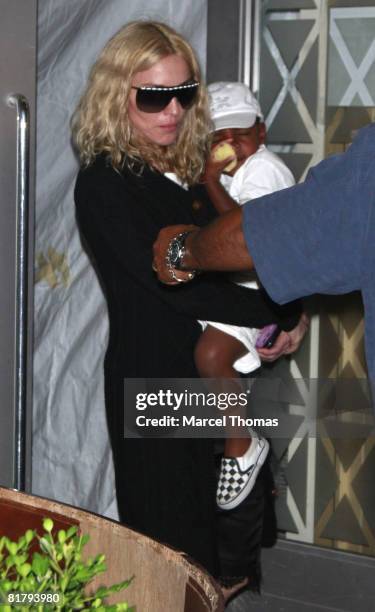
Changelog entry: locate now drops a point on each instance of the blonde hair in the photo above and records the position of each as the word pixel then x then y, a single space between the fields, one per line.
pixel 101 123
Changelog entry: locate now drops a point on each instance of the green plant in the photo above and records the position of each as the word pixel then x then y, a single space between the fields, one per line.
pixel 54 578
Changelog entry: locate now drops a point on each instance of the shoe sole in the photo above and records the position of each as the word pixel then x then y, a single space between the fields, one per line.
pixel 233 503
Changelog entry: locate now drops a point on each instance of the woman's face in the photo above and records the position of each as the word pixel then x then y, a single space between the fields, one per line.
pixel 159 128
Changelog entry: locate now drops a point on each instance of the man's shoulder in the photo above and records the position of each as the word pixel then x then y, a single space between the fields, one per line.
pixel 363 147
pixel 352 168
pixel 366 136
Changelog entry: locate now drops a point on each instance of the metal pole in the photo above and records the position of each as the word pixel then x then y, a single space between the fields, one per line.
pixel 22 194
pixel 244 47
pixel 249 43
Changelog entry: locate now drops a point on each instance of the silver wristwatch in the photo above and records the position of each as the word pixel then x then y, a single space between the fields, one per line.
pixel 175 255
pixel 176 250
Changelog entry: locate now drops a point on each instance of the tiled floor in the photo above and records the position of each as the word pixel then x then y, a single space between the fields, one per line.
pixel 300 578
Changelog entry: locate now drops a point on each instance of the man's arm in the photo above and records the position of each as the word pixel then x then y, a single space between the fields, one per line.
pixel 310 238
pixel 219 246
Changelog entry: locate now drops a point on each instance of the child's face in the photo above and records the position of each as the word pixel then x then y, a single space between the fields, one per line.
pixel 245 141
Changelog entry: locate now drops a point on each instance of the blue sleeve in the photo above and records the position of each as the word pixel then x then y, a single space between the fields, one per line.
pixel 308 239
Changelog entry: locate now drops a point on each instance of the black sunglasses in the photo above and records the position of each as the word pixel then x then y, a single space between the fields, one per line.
pixel 151 99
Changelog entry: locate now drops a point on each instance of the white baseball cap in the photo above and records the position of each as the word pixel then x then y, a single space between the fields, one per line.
pixel 233 105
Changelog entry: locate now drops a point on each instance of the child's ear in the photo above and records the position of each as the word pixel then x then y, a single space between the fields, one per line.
pixel 262 132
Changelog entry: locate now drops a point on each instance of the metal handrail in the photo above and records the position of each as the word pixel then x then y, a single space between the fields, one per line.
pixel 21 104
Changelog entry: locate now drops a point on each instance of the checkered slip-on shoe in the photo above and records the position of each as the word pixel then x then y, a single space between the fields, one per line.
pixel 238 474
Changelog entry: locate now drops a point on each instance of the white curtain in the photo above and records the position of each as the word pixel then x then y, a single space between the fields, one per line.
pixel 71 454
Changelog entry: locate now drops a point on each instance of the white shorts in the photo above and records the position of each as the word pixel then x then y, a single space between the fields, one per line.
pixel 247 336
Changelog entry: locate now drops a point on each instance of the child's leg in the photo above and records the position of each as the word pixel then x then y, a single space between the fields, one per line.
pixel 215 354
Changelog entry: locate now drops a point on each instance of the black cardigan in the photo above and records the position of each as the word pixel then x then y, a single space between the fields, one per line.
pixel 165 487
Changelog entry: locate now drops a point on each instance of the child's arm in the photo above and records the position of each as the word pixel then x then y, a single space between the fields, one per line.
pixel 217 193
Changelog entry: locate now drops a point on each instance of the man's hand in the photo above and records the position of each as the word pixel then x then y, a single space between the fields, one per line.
pixel 159 264
pixel 287 342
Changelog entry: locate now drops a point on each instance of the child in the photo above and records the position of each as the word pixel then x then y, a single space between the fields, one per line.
pixel 224 350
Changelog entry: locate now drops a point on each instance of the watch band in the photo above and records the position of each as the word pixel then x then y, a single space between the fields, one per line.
pixel 175 254
pixel 176 249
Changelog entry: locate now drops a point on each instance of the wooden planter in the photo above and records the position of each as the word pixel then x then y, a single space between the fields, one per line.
pixel 165 580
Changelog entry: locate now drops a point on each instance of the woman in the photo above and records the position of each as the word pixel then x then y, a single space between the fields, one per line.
pixel 143 116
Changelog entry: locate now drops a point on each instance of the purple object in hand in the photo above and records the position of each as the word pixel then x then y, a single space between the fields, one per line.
pixel 267 336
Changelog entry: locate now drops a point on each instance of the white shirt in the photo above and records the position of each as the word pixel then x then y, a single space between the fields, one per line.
pixel 262 173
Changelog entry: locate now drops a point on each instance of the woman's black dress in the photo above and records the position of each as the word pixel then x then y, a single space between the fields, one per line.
pixel 165 487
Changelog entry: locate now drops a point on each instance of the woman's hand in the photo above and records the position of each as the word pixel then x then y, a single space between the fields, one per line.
pixel 287 342
pixel 160 248
pixel 281 347
pixel 297 334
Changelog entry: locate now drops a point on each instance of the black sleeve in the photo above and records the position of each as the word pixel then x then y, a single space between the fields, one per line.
pixel 127 229
pixel 286 315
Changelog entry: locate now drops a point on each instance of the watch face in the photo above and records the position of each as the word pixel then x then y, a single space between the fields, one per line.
pixel 174 252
